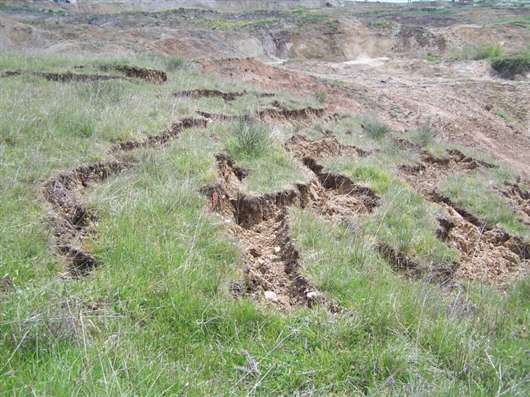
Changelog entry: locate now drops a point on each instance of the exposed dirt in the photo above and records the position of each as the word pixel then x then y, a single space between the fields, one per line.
pixel 149 75
pixel 519 199
pixel 62 77
pixel 70 218
pixel 206 93
pixel 488 255
pixel 302 147
pixel 441 275
pixel 278 114
pixel 272 271
pixel 272 264
pixel 426 175
pixel 158 140
pixel 130 72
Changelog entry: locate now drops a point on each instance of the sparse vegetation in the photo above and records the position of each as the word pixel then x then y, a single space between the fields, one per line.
pixel 479 52
pixel 374 127
pixel 509 66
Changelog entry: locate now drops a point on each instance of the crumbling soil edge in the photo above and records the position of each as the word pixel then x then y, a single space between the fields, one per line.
pixel 130 73
pixel 71 221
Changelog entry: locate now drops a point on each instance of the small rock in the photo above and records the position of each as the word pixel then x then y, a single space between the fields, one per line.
pixel 6 284
pixel 271 296
pixel 313 295
pixel 276 250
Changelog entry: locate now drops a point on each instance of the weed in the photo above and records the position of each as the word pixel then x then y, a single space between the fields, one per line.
pixel 478 52
pixel 374 127
pixel 173 63
pixel 433 58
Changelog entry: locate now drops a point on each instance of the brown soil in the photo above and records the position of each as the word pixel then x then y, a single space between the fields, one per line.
pixel 519 199
pixel 206 93
pixel 280 115
pixel 149 75
pixel 441 275
pixel 62 77
pixel 71 220
pixel 162 139
pixel 488 255
pixel 425 175
pixel 302 147
pixel 272 271
pixel 272 261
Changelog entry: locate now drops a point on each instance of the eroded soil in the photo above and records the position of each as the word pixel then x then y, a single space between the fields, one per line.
pixel 487 254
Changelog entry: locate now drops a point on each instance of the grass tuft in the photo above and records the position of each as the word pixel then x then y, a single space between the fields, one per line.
pixel 249 138
pixel 374 127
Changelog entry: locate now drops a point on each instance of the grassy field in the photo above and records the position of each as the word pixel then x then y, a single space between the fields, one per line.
pixel 158 318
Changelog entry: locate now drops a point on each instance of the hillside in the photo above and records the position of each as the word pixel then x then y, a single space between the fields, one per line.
pixel 222 198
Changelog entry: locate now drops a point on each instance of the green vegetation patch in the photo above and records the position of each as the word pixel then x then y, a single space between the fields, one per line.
pixel 510 66
pixel 472 193
pixel 407 223
pixel 270 167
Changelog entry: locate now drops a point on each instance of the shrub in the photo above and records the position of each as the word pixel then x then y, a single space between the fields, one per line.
pixel 513 65
pixel 374 127
pixel 479 52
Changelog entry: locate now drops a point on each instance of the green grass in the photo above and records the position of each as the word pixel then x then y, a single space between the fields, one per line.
pixel 511 65
pixel 473 193
pixel 157 318
pixel 406 222
pixel 374 128
pixel 478 52
pixel 270 167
